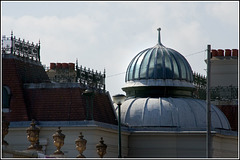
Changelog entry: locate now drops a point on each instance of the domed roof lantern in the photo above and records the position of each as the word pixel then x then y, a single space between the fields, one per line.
pixel 156 67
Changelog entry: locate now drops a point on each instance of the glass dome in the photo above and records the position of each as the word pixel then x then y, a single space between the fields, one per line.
pixel 159 71
pixel 159 62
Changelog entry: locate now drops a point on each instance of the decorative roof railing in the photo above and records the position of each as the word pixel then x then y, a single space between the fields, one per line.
pixel 90 79
pixel 12 45
pixel 199 80
pixel 223 93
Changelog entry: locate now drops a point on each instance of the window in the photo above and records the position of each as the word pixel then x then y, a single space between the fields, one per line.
pixel 6 98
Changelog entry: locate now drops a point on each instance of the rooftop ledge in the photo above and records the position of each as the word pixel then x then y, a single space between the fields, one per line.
pixel 158 82
pixel 84 123
pixel 51 85
pixel 139 130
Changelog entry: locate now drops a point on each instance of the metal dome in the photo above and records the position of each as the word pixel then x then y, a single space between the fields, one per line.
pixel 159 87
pixel 170 113
pixel 159 62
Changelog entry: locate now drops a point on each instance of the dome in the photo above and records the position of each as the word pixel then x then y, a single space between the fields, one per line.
pixel 159 72
pixel 159 88
pixel 170 113
pixel 161 63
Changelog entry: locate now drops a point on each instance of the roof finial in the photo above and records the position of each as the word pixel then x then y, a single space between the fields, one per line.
pixel 76 62
pixel 159 37
pixel 11 32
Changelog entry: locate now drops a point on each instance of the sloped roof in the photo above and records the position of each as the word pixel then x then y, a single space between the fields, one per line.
pixel 65 102
pixel 27 70
pixel 33 96
pixel 15 72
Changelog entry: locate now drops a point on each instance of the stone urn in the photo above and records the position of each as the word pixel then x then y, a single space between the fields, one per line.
pixel 33 136
pixel 81 145
pixel 58 138
pixel 101 148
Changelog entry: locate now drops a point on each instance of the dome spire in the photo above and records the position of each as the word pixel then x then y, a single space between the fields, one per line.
pixel 159 36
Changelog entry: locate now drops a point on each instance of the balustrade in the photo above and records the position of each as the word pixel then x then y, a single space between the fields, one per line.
pixel 58 141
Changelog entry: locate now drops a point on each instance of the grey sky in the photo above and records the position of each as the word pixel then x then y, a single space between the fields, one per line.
pixel 109 34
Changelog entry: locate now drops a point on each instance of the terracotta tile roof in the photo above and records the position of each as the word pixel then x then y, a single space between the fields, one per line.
pixel 67 104
pixel 27 71
pixel 11 78
pixel 33 96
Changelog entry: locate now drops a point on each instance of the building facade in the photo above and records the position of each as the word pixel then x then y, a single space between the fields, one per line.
pixel 163 114
pixel 159 119
pixel 224 83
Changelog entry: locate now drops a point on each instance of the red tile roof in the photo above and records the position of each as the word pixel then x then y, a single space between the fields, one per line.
pixel 67 104
pixel 13 80
pixel 26 70
pixel 48 101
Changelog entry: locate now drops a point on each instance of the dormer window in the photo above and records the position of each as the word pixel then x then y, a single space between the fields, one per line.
pixel 6 98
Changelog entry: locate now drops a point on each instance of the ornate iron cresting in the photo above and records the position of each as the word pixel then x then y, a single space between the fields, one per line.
pixel 222 93
pixel 199 82
pixel 12 45
pixel 90 79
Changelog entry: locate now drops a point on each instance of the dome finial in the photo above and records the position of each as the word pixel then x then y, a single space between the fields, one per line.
pixel 159 37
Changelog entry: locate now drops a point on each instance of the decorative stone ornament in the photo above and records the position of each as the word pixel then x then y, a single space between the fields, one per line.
pixel 5 127
pixel 101 148
pixel 81 145
pixel 58 138
pixel 33 136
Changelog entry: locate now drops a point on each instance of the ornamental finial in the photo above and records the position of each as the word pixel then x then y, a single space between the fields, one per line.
pixel 159 36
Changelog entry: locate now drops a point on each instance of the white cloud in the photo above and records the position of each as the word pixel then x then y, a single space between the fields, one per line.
pixel 109 35
pixel 227 12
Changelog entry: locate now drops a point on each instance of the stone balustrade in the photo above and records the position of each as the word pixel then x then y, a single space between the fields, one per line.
pixel 35 149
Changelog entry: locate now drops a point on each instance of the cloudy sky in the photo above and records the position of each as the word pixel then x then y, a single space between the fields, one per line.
pixel 109 34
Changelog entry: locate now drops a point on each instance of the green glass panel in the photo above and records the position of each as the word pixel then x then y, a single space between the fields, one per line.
pixel 152 64
pixel 176 70
pixel 182 66
pixel 138 64
pixel 144 65
pixel 131 69
pixel 168 66
pixel 159 64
